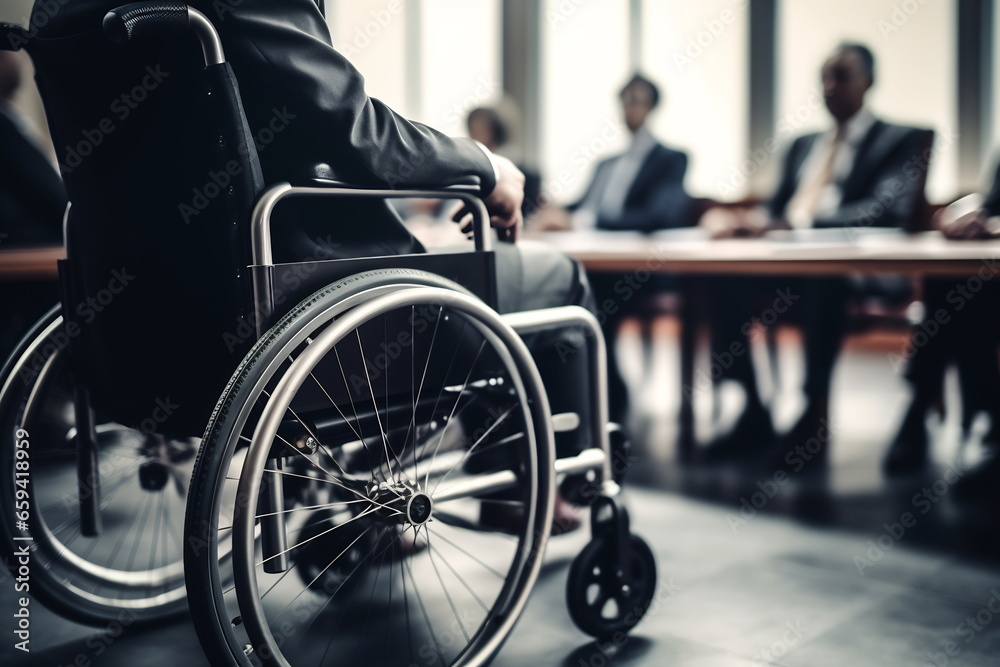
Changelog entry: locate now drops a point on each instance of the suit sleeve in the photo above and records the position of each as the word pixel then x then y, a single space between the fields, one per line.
pixel 896 193
pixel 285 48
pixel 786 187
pixel 666 207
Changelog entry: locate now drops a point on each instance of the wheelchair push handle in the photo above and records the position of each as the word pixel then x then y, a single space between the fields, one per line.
pixel 140 20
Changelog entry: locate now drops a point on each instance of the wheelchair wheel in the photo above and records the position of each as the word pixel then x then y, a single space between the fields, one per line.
pixel 133 570
pixel 347 468
pixel 599 603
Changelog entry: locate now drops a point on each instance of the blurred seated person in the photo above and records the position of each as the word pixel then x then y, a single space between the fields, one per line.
pixel 862 172
pixel 640 190
pixel 967 334
pixel 32 201
pixel 429 219
pixel 486 126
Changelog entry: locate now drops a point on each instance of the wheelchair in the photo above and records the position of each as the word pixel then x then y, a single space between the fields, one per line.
pixel 376 481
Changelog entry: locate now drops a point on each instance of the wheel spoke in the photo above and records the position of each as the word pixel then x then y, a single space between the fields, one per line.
pixel 451 415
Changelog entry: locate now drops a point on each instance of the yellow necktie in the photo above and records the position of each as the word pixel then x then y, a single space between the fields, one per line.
pixel 802 207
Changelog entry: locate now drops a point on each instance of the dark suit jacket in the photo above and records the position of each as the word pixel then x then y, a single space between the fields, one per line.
pixel 290 75
pixel 656 199
pixel 992 201
pixel 885 187
pixel 32 196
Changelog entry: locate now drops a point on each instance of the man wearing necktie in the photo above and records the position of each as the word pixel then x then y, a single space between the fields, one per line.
pixel 862 172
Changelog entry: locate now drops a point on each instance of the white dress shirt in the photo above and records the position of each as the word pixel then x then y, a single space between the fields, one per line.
pixel 606 198
pixel 854 130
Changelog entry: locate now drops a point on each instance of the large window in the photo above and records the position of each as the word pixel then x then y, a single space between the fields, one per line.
pixel 697 52
pixel 372 34
pixel 584 64
pixel 460 60
pixel 914 47
pixel 432 61
pixel 993 147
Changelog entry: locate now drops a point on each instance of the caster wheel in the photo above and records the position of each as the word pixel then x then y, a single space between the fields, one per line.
pixel 600 603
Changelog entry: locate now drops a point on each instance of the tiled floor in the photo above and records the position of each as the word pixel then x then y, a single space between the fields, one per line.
pixel 797 584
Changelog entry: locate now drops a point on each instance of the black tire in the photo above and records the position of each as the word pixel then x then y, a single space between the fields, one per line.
pixel 592 587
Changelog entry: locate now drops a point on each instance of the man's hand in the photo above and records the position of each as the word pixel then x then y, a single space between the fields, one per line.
pixel 503 204
pixel 727 223
pixel 968 226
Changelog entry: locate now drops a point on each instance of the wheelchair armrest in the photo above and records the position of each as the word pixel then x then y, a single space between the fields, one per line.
pixel 261 217
pixel 140 20
pixel 12 37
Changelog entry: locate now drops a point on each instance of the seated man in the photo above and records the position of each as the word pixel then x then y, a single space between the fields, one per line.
pixel 487 126
pixel 283 57
pixel 968 337
pixel 862 172
pixel 641 190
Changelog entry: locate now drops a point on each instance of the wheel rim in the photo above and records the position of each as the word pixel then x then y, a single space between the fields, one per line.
pixel 136 563
pixel 438 539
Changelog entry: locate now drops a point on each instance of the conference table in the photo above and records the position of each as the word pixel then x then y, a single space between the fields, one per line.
pixel 690 253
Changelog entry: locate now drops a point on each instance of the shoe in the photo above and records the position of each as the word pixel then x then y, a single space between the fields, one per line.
pixel 979 484
pixel 908 452
pixel 752 435
pixel 804 449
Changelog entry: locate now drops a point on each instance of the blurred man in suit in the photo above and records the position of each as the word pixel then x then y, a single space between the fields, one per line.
pixel 641 190
pixel 486 126
pixel 862 172
pixel 967 333
pixel 32 201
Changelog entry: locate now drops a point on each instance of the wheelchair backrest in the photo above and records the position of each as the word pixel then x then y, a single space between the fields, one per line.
pixel 162 173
